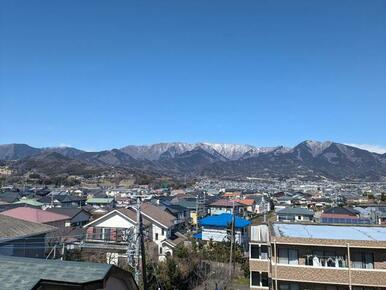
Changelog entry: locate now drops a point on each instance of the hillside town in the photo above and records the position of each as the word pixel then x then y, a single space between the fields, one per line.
pixel 242 234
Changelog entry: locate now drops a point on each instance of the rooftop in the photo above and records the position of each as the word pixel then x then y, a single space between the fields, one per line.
pixel 247 201
pixel 24 273
pixel 100 200
pixel 13 228
pixel 342 210
pixel 34 215
pixel 225 203
pixel 67 211
pixel 295 211
pixel 29 201
pixel 157 215
pixel 358 233
pixel 223 220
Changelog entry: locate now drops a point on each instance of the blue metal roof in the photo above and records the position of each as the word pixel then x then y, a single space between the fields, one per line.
pixel 198 236
pixel 223 220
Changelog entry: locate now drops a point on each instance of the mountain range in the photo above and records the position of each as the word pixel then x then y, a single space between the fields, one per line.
pixel 309 159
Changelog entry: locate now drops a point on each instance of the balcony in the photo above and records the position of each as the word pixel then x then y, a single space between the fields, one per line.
pixel 335 275
pixel 259 265
pixel 313 274
pixel 107 235
pixel 368 277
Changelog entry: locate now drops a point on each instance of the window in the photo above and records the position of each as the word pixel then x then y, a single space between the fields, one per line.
pixel 283 256
pixel 288 256
pixel 163 232
pixel 255 251
pixel 293 257
pixel 292 286
pixel 97 233
pixel 326 258
pixel 259 279
pixel 106 234
pixel 264 252
pixel 264 279
pixel 255 278
pixel 160 250
pixel 363 260
pixel 156 236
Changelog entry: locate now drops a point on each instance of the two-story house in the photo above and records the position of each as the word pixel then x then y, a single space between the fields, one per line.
pixel 163 229
pixel 109 233
pixel 221 206
pixel 218 228
pixel 108 236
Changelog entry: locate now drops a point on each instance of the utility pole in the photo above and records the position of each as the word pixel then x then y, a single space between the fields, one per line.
pixel 143 254
pixel 138 241
pixel 232 240
pixel 136 246
pixel 197 210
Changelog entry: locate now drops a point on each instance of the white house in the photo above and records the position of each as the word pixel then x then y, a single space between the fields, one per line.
pixel 163 226
pixel 217 228
pixel 109 234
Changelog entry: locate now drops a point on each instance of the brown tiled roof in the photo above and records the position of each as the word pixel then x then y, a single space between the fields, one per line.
pixel 225 203
pixel 156 214
pixel 131 214
pixel 246 201
pixel 178 239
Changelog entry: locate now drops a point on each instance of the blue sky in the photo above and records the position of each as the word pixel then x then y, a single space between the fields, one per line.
pixel 103 74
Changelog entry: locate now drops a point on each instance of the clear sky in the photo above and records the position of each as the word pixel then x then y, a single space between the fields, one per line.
pixel 103 74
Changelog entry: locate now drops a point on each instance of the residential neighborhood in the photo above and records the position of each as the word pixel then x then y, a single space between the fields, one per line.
pixel 192 145
pixel 101 230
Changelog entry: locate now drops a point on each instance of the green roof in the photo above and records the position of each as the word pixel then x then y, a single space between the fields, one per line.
pixel 99 200
pixel 32 202
pixel 24 273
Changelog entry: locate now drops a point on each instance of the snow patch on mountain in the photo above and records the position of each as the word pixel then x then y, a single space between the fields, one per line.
pixel 316 148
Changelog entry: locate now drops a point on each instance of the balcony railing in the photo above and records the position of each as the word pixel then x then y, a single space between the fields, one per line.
pixel 112 235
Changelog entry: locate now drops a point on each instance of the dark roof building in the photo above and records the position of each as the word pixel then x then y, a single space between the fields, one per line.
pixel 343 215
pixel 78 216
pixel 295 214
pixel 30 274
pixel 10 196
pixel 22 238
pixel 342 210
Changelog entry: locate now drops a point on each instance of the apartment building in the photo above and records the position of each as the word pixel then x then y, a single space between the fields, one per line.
pixel 317 257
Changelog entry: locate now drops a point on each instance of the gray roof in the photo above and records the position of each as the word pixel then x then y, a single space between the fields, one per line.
pixel 187 203
pixel 68 211
pixel 358 233
pixel 295 211
pixel 342 210
pixel 13 228
pixel 24 273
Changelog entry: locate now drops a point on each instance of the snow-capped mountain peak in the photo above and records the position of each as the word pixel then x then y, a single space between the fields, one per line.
pixel 317 147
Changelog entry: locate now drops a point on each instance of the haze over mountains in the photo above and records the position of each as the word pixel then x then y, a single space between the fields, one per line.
pixel 309 159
